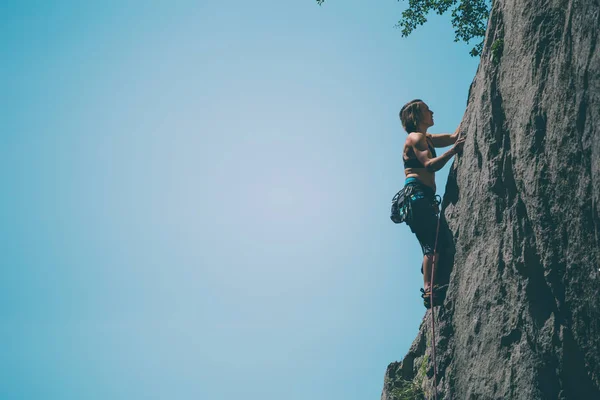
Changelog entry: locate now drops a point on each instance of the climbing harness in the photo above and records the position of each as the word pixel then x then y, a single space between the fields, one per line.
pixel 401 210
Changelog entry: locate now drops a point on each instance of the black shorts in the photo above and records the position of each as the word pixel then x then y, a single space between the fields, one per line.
pixel 423 215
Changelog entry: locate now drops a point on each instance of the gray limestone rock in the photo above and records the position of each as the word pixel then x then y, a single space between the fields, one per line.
pixel 521 319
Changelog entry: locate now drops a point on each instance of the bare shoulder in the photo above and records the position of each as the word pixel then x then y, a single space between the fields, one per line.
pixel 417 140
pixel 415 137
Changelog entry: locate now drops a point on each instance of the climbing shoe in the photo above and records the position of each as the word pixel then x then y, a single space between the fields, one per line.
pixel 439 294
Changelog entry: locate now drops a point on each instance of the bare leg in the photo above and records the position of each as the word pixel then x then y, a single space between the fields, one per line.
pixel 427 261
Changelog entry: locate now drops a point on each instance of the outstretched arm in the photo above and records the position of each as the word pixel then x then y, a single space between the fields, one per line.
pixel 419 145
pixel 445 139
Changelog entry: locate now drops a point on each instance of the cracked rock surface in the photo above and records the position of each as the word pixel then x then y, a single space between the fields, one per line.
pixel 521 319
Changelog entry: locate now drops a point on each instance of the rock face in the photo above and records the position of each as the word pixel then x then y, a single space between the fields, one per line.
pixel 521 319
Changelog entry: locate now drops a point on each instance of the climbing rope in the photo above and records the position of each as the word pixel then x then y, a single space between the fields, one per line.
pixel 437 232
pixel 432 306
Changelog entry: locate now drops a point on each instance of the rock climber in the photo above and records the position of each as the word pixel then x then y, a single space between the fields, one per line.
pixel 420 164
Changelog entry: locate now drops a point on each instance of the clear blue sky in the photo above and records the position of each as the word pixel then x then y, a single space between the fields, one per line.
pixel 195 196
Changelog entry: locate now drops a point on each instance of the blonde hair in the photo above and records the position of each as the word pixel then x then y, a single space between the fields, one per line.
pixel 410 115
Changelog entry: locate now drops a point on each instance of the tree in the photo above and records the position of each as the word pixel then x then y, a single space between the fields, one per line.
pixel 469 18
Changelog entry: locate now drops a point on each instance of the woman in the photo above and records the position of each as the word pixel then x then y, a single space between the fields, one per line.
pixel 420 164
